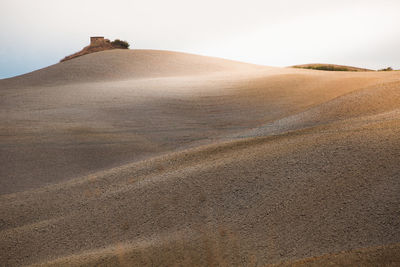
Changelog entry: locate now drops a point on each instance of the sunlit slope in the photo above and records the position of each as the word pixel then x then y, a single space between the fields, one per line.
pixel 55 132
pixel 126 64
pixel 374 103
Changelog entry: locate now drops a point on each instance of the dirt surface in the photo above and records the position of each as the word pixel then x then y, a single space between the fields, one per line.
pixel 158 158
pixel 375 256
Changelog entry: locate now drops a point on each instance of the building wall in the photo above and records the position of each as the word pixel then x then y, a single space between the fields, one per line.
pixel 97 40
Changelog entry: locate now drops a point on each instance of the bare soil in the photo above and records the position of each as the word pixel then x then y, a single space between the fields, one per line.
pixel 143 157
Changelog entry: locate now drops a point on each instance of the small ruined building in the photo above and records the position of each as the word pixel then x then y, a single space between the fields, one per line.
pixel 99 41
pixel 97 44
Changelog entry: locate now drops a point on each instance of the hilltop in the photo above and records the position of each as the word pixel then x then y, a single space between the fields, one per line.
pixel 98 44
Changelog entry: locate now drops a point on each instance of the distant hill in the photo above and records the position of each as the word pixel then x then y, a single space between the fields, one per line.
pixel 329 67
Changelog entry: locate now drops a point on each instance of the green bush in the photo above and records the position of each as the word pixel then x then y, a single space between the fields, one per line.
pixel 326 68
pixel 387 69
pixel 331 68
pixel 120 44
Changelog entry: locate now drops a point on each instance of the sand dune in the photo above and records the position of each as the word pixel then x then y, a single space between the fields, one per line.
pixel 143 157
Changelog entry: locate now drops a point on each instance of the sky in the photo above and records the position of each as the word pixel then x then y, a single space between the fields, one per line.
pixel 362 33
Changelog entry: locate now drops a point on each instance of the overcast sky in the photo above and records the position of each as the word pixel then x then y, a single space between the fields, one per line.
pixel 364 33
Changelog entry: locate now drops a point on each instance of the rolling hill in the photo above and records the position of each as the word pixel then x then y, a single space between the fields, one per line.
pixel 144 157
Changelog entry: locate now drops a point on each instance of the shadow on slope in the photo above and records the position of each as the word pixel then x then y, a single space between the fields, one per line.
pixel 285 197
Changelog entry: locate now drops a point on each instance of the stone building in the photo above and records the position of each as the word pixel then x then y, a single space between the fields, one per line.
pixel 98 41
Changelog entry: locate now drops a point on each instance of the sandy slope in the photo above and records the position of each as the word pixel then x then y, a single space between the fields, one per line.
pixel 151 157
